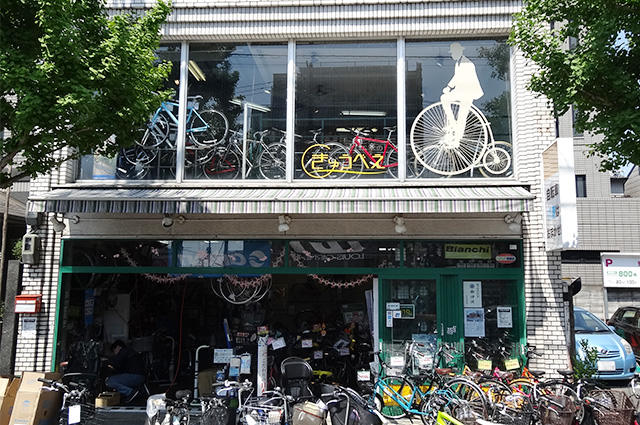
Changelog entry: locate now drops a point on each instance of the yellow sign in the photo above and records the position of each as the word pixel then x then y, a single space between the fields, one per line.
pixel 460 251
pixel 320 161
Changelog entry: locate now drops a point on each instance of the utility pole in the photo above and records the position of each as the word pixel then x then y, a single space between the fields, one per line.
pixel 3 249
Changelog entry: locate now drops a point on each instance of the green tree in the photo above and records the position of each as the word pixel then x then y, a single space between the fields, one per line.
pixel 587 56
pixel 72 76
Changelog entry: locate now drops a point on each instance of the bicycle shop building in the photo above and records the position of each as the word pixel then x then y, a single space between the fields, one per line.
pixel 339 205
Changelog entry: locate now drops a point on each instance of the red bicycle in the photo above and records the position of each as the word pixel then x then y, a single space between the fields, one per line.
pixel 365 156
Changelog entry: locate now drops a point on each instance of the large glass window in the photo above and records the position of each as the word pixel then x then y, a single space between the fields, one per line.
pixel 238 130
pixel 344 90
pixel 153 155
pixel 457 104
pixel 458 109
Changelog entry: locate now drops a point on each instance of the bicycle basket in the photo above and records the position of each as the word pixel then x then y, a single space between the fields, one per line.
pixel 557 410
pixel 613 407
pixel 516 410
pixel 219 415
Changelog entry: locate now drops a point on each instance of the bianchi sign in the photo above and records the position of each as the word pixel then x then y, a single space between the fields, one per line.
pixel 456 251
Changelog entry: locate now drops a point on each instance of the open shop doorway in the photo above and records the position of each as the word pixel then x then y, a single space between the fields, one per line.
pixel 186 327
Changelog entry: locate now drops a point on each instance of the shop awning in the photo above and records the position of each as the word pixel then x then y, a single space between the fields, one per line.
pixel 285 200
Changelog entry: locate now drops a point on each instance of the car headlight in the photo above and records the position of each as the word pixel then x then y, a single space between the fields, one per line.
pixel 627 346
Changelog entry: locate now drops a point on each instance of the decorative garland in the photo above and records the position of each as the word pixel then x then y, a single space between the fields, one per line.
pixel 244 282
pixel 332 283
pixel 152 277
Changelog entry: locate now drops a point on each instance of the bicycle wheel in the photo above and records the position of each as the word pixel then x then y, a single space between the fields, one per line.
pixel 437 148
pixel 208 127
pixel 156 133
pixel 222 165
pixel 496 161
pixel 330 160
pixel 471 394
pixel 390 389
pixel 391 162
pixel 272 161
pixel 133 163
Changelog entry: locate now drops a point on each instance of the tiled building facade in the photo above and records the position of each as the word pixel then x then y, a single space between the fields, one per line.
pixel 297 23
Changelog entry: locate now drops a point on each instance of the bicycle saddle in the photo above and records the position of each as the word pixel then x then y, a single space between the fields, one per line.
pixel 184 394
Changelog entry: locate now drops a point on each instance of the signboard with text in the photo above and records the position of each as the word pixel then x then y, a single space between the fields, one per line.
pixel 620 270
pixel 561 217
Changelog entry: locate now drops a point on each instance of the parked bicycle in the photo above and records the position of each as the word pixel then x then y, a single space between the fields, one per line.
pixel 366 155
pixel 231 160
pixel 77 407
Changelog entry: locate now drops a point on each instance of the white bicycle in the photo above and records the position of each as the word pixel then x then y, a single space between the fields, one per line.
pixel 440 150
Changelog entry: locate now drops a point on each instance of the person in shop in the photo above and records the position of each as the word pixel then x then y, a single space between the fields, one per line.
pixel 128 372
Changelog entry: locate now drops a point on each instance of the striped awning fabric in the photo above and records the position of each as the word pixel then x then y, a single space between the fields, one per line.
pixel 285 200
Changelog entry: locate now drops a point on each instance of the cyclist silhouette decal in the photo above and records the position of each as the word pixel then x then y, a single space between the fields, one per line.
pixel 463 88
pixel 453 136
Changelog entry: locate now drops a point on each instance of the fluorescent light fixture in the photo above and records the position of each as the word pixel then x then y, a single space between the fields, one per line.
pixel 196 71
pixel 364 113
pixel 250 105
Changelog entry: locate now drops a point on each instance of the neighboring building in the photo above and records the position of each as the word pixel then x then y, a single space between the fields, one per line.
pixel 608 221
pixel 445 237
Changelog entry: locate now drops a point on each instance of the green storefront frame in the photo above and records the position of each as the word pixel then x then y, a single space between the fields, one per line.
pixel 449 283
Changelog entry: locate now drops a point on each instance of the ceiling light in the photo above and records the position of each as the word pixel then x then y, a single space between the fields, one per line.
pixel 283 223
pixel 196 71
pixel 364 113
pixel 400 226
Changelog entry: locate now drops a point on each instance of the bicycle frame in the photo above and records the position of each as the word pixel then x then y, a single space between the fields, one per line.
pixel 376 159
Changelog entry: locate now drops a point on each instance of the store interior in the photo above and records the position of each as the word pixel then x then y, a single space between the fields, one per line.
pixel 186 327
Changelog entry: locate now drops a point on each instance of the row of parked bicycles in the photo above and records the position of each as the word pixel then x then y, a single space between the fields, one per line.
pixel 436 395
pixel 214 151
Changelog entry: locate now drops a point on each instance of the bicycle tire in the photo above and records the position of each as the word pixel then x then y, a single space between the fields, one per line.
pixel 272 161
pixel 222 165
pixel 496 161
pixel 391 162
pixel 156 133
pixel 209 127
pixel 332 154
pixel 471 393
pixel 436 148
pixel 127 168
pixel 393 386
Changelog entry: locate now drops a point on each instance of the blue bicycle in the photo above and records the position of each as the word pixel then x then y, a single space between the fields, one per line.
pixel 205 128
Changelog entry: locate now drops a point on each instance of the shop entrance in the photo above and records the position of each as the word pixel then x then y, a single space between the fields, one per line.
pixel 182 324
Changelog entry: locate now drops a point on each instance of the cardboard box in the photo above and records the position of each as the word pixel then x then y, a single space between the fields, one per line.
pixel 108 399
pixel 32 404
pixel 8 390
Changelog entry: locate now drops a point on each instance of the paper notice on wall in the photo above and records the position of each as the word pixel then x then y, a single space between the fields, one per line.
pixel 505 317
pixel 29 325
pixel 261 377
pixel 474 322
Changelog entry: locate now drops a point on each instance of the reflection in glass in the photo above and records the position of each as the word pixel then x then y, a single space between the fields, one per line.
pixel 245 83
pixel 458 109
pixel 346 111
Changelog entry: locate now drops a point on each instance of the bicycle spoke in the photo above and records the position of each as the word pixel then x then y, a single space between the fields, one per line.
pixel 272 161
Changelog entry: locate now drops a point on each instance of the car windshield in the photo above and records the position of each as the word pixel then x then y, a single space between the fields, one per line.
pixel 586 322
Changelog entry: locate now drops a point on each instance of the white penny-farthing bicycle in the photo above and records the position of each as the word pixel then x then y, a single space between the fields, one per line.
pixel 440 150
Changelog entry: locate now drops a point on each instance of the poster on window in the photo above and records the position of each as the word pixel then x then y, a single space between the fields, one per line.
pixel 474 322
pixel 472 293
pixel 505 317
